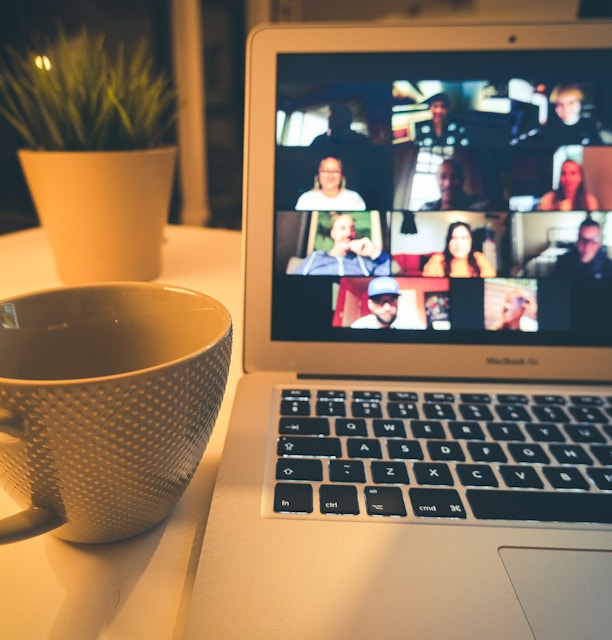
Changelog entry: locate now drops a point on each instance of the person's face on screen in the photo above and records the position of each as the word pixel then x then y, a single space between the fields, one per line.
pixel 330 175
pixel 460 242
pixel 588 243
pixel 567 107
pixel 450 183
pixel 512 311
pixel 438 111
pixel 342 232
pixel 570 178
pixel 384 307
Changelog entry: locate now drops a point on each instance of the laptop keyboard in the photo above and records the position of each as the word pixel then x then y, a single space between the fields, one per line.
pixel 427 456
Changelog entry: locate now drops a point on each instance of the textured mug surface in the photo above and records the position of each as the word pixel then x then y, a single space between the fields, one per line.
pixel 108 396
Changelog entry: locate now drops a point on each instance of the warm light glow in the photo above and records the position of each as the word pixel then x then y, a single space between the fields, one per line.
pixel 42 62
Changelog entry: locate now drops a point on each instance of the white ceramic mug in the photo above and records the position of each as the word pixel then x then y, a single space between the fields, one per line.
pixel 108 396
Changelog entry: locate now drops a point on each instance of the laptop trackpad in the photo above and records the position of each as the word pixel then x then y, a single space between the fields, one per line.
pixel 564 593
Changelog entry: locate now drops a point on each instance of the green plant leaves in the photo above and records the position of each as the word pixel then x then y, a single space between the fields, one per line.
pixel 85 100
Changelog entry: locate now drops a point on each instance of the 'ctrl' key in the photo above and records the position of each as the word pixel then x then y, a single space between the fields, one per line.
pixel 436 503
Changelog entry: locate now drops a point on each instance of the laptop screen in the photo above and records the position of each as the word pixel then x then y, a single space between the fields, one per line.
pixel 428 197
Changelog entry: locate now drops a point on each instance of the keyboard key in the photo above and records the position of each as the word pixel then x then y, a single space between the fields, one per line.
pixel 513 413
pixel 295 407
pixel 531 453
pixel 486 452
pixel 301 426
pixel 385 501
pixel 565 478
pixel 475 412
pixel 364 448
pixel 521 477
pixel 402 410
pixel 505 431
pixel 351 427
pixel 475 398
pixel 390 473
pixel 403 396
pixel 544 432
pixel 476 475
pixel 366 409
pixel 438 411
pixel 432 473
pixel 587 433
pixel 512 398
pixel 368 396
pixel 439 397
pixel 346 471
pixel 588 414
pixel 603 454
pixel 559 506
pixel 330 408
pixel 309 446
pixel 466 430
pixel 338 499
pixel 405 450
pixel 592 401
pixel 427 429
pixel 570 454
pixel 445 451
pixel 296 393
pixel 299 469
pixel 436 503
pixel 389 428
pixel 293 498
pixel 329 394
pixel 602 478
pixel 549 400
pixel 550 414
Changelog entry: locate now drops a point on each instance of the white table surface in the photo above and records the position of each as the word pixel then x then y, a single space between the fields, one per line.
pixel 138 588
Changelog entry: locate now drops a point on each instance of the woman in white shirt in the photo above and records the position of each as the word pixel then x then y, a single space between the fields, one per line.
pixel 329 193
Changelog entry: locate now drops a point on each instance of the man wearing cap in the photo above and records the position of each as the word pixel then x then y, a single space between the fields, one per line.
pixel 383 296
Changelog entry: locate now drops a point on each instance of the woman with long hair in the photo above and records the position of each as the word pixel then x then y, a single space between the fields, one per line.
pixel 459 260
pixel 571 194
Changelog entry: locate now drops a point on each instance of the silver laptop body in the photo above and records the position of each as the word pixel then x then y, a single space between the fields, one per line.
pixel 271 572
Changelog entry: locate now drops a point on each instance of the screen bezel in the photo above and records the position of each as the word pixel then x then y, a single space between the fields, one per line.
pixel 569 363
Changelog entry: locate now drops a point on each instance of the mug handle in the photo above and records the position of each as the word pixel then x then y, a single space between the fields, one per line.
pixel 29 522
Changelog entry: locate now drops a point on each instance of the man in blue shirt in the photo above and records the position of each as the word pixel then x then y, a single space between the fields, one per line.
pixel 350 256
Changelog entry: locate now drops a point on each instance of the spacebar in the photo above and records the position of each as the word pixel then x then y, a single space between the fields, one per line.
pixel 541 506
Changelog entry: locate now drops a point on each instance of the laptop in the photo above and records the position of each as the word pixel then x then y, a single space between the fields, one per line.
pixel 421 443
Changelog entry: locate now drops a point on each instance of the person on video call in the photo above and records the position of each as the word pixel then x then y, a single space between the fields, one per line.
pixel 567 125
pixel 349 256
pixel 452 196
pixel 459 260
pixel 571 195
pixel 330 192
pixel 517 313
pixel 588 258
pixel 441 130
pixel 339 132
pixel 383 297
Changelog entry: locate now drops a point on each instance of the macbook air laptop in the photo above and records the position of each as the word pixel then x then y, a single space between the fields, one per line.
pixel 421 443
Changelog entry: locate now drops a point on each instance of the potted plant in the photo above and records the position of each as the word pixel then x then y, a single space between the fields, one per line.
pixel 94 159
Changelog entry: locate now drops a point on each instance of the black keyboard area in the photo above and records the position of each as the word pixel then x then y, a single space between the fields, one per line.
pixel 429 456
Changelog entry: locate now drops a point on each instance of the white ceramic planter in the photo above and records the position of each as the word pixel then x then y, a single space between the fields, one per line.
pixel 103 211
